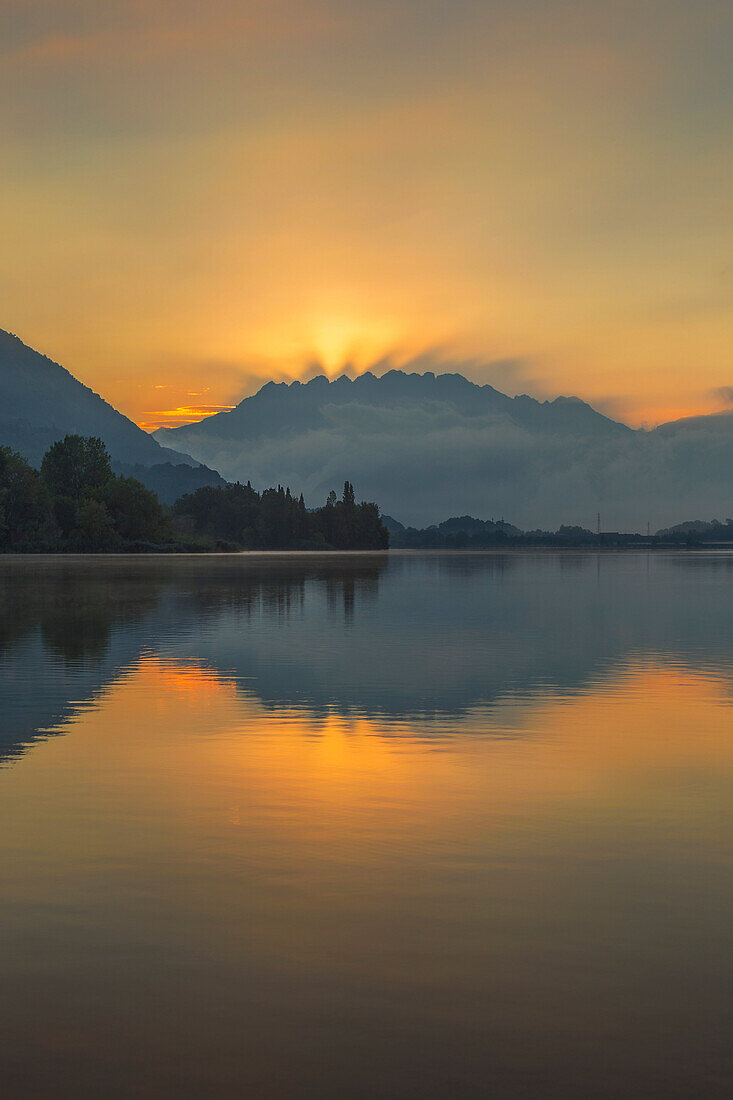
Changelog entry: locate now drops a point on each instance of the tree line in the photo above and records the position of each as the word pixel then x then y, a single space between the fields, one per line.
pixel 75 503
pixel 277 520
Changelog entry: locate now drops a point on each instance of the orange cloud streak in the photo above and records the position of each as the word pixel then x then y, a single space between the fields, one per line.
pixel 184 414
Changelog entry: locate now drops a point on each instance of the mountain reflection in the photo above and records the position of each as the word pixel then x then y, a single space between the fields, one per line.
pixel 397 637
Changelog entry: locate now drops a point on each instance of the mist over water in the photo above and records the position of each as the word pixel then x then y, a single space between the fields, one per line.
pixel 367 825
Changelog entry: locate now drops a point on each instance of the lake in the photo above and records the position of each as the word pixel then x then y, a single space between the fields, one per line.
pixel 369 825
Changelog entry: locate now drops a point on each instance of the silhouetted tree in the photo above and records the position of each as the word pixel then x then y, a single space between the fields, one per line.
pixel 95 529
pixel 76 466
pixel 275 519
pixel 135 511
pixel 94 509
pixel 25 505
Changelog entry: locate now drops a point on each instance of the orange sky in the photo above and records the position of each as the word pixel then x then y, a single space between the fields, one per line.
pixel 196 198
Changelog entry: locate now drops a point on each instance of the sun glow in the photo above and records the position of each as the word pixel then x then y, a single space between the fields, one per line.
pixel 341 342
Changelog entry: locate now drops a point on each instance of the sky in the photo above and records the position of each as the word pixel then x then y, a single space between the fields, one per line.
pixel 196 197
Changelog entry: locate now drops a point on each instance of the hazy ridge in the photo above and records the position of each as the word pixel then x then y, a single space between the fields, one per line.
pixel 425 446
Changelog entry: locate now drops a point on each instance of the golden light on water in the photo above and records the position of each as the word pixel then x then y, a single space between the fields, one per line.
pixel 221 752
pixel 215 888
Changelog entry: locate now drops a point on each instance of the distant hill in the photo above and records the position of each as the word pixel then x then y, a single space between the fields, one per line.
pixel 171 481
pixel 469 533
pixel 40 402
pixel 469 525
pixel 393 525
pixel 699 530
pixel 427 446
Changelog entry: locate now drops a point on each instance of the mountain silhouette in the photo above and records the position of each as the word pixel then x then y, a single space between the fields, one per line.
pixel 280 407
pixel 426 446
pixel 40 402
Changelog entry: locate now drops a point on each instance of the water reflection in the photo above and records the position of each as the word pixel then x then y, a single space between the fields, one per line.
pixel 229 897
pixel 423 636
pixel 366 826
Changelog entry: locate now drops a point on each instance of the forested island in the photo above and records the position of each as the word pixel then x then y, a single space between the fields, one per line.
pixel 75 503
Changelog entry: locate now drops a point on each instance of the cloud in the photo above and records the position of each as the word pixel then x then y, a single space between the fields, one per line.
pixel 724 395
pixel 154 31
pixel 184 414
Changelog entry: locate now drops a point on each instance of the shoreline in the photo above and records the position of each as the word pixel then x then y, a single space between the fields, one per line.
pixel 668 548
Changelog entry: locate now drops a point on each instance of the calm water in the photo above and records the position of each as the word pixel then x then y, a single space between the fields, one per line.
pixel 366 826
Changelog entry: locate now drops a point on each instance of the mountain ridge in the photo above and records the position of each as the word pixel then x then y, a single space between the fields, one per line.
pixel 305 398
pixel 424 444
